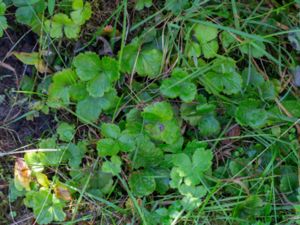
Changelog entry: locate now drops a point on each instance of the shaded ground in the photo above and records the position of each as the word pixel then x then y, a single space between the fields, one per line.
pixel 15 130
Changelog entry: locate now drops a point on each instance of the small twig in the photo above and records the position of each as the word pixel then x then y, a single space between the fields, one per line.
pixel 9 67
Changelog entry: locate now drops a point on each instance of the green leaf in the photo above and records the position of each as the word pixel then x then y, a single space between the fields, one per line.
pixel 149 63
pixel 250 113
pixel 108 147
pixel 167 131
pixel 176 6
pixel 76 154
pixel 2 8
pixel 3 25
pixel 27 83
pixel 205 33
pixel 110 130
pixel 179 86
pixel 146 153
pixel 89 109
pixel 160 124
pixel 113 166
pixel 46 207
pixel 3 21
pixel 51 6
pixel 77 4
pixel 193 49
pixel 252 77
pixel 72 31
pixel 210 49
pixel 227 39
pixel 228 83
pixel 255 49
pixel 202 160
pixel 146 62
pixel 159 111
pixel 30 12
pixel 59 23
pixel 104 80
pixel 162 179
pixel 142 183
pixel 59 90
pixel 183 164
pixel 81 14
pixel 87 65
pixel 127 142
pixel 129 57
pixel 14 193
pixel 209 125
pixel 141 4
pixel 52 158
pixel 268 91
pixel 134 121
pixel 78 91
pixel 191 169
pixel 66 131
pixel 33 160
pixel 249 209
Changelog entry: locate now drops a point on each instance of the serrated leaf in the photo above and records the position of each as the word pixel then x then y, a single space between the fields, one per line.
pixel 210 49
pixel 59 90
pixel 209 125
pixel 176 6
pixel 66 131
pixel 89 109
pixel 30 12
pixel 250 113
pixel 146 153
pixel 127 142
pixel 141 183
pixel 78 91
pixel 167 131
pixel 3 25
pixel 81 14
pixel 46 207
pixel 141 4
pixel 110 130
pixel 149 63
pixel 103 82
pixel 113 166
pixel 205 33
pixel 108 147
pixel 193 49
pixel 255 49
pixel 76 153
pixel 191 169
pixel 42 179
pixel 179 86
pixel 159 111
pixel 146 62
pixel 87 65
pixel 228 83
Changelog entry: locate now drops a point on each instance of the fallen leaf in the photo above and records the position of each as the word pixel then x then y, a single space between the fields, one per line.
pixel 62 192
pixel 22 175
pixel 233 131
pixel 33 59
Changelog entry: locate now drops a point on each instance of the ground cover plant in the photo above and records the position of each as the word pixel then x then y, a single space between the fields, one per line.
pixel 149 112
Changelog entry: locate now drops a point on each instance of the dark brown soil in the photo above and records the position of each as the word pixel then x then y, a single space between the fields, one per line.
pixel 15 130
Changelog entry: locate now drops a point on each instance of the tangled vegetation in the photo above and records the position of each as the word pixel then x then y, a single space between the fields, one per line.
pixel 166 112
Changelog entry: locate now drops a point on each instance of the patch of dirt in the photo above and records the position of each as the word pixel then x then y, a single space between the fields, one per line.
pixel 15 130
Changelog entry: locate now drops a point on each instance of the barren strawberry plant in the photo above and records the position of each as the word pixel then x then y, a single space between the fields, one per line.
pixel 150 112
